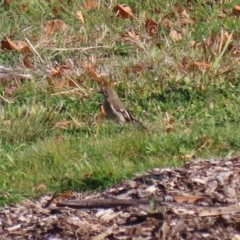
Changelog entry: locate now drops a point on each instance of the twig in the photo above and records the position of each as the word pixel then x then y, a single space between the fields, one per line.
pixel 55 195
pixel 66 92
pixel 6 99
pixel 34 50
pixel 106 203
pixel 78 49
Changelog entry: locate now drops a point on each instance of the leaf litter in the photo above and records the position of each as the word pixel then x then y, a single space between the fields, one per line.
pixel 197 201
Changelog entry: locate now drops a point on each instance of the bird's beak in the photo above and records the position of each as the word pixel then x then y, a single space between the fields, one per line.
pixel 100 91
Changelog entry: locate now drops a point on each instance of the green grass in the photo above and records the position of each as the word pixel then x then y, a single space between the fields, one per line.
pixel 191 113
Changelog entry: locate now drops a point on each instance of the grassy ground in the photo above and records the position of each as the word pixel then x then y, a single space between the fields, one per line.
pixel 49 139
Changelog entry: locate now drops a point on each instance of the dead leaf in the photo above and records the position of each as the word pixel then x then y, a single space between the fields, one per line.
pixel 23 8
pixel 169 128
pixel 184 17
pixel 175 35
pixel 59 138
pixel 201 64
pixel 168 119
pixel 166 22
pixel 90 63
pixel 100 79
pixel 216 42
pixel 236 10
pixel 151 27
pixel 58 71
pixel 189 156
pixel 72 83
pixel 156 10
pixel 235 53
pixel 101 116
pixel 66 195
pixel 130 37
pixel 9 45
pixel 90 4
pixel 185 63
pixel 193 43
pixel 40 187
pixel 10 90
pixel 27 63
pixel 102 110
pixel 24 48
pixel 222 13
pixel 123 11
pixel 138 68
pixel 57 84
pixel 60 84
pixel 190 122
pixel 187 199
pixel 87 175
pixel 55 72
pixel 50 81
pixel 208 142
pixel 183 12
pixel 54 26
pixel 168 122
pixel 133 34
pixel 185 21
pixel 217 211
pixel 80 16
pixel 7 2
pixel 57 11
pixel 6 195
pixel 63 124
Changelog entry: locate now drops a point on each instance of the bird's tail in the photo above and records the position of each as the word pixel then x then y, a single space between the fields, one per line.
pixel 136 121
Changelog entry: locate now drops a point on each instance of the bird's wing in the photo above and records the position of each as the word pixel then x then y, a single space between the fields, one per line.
pixel 126 114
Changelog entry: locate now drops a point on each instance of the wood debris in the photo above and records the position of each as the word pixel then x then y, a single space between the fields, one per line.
pixel 8 72
pixel 197 201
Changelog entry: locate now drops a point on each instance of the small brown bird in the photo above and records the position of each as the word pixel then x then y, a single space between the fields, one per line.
pixel 114 108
